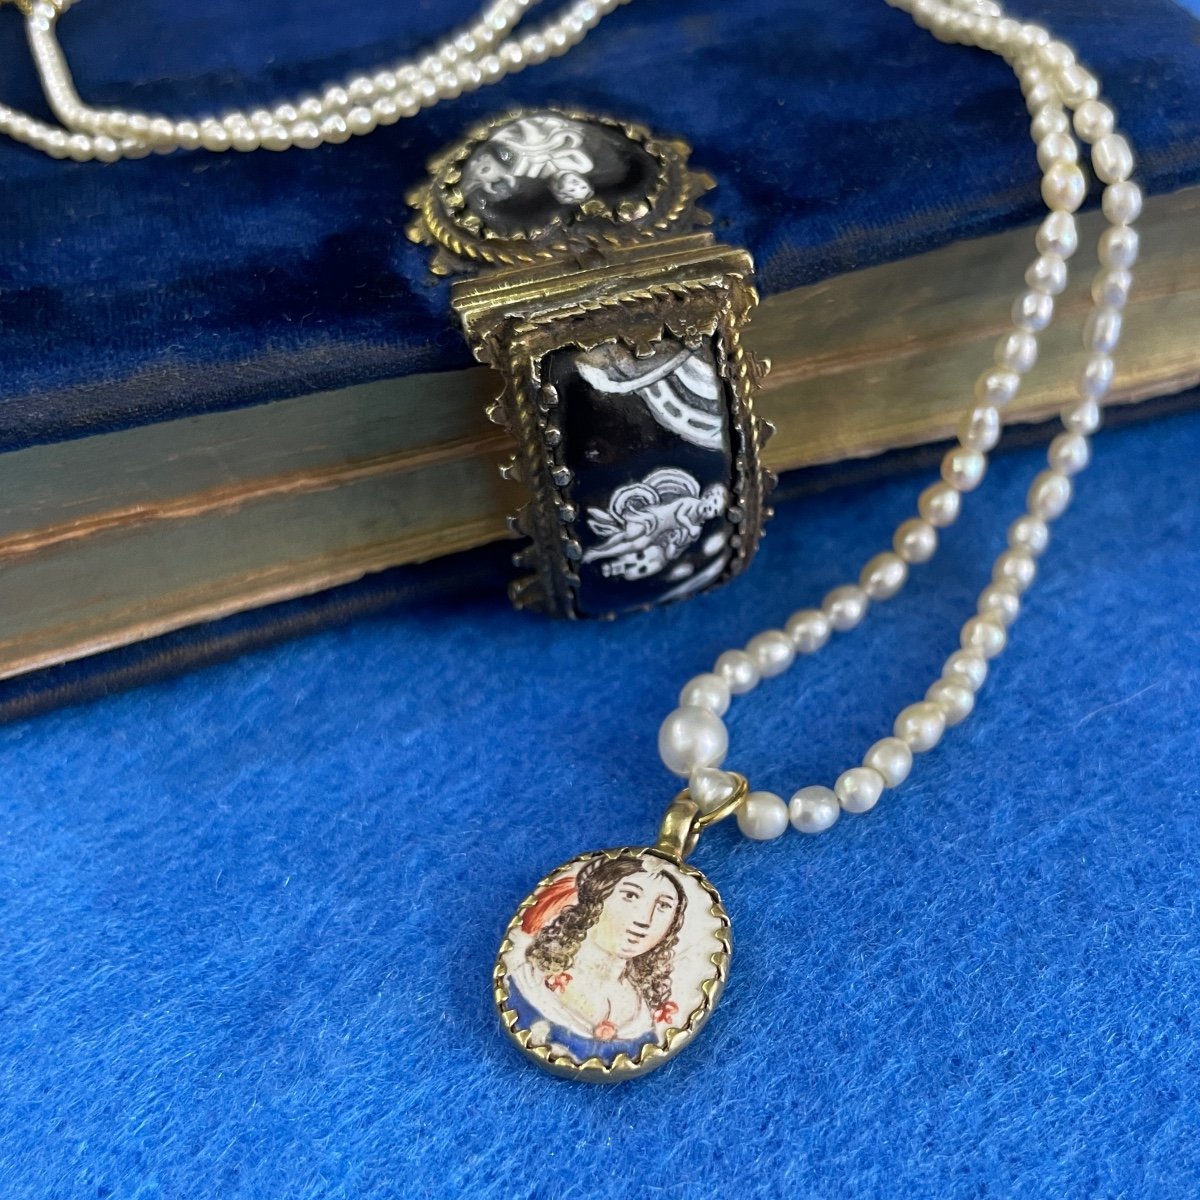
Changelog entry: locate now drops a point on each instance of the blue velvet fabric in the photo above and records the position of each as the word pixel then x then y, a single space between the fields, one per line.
pixel 249 915
pixel 840 134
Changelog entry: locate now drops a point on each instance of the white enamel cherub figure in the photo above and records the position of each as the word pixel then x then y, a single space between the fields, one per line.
pixel 651 523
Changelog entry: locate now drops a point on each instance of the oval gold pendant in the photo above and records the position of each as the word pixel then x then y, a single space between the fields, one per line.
pixel 612 964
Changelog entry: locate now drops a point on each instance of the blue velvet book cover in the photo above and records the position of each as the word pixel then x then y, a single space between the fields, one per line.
pixel 840 136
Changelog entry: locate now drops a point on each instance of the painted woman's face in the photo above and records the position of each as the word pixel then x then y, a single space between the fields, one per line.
pixel 636 916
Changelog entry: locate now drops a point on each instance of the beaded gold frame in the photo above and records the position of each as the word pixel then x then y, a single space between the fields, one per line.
pixel 653 1054
pixel 462 242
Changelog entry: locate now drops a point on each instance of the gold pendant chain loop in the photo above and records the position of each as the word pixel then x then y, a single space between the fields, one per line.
pixel 685 820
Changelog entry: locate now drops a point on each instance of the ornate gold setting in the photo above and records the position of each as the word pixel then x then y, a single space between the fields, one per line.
pixel 463 243
pixel 651 1056
pixel 690 288
pixel 634 273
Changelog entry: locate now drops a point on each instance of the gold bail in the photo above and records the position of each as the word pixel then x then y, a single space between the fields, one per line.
pixel 685 820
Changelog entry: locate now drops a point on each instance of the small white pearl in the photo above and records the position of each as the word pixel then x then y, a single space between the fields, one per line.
pixel 845 607
pixel 335 97
pixel 1111 288
pixel 1077 85
pixel 1096 377
pixel 116 121
pixel 984 637
pixel 963 468
pixel 1057 234
pixel 967 668
pixel 1122 202
pixel 762 816
pixel 1055 148
pixel 1048 119
pixel 1030 534
pixel 706 691
pixel 408 103
pixel 858 789
pixel 692 737
pixel 1049 495
pixel 243 138
pixel 1094 120
pixel 334 129
pixel 1033 311
pixel 55 143
pixel 276 138
pixel 360 119
pixel 814 809
pixel 738 670
pixel 1047 273
pixel 105 149
pixel 772 652
pixel 809 630
pixel 891 758
pixel 955 701
pixel 940 504
pixel 1041 92
pixel 1102 330
pixel 385 110
pixel 1056 56
pixel 916 541
pixel 709 786
pixel 883 576
pixel 999 602
pixel 1069 453
pixel 536 50
pixel 1112 159
pixel 1119 247
pixel 921 726
pixel 997 387
pixel 214 136
pixel 1017 351
pixel 1063 187
pixel 1083 417
pixel 187 133
pixel 1015 568
pixel 305 134
pixel 1007 31
pixel 979 428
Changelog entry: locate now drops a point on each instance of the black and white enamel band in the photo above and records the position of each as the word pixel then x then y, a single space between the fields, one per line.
pixel 615 327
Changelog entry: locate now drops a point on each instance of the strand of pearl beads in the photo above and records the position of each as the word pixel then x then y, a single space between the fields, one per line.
pixel 693 740
pixel 481 53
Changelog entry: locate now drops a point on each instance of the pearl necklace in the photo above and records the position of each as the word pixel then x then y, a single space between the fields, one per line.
pixel 650 925
pixel 480 54
pixel 693 739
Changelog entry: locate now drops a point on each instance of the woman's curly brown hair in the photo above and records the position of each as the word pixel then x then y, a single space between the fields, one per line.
pixel 555 946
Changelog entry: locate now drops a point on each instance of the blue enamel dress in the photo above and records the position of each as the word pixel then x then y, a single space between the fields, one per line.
pixel 580 1046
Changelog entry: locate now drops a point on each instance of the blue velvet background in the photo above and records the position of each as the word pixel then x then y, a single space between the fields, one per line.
pixel 249 914
pixel 840 134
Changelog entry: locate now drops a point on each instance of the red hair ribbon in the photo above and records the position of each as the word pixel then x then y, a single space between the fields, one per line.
pixel 666 1014
pixel 554 898
pixel 558 983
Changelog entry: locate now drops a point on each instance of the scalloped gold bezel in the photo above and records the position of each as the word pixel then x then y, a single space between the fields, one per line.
pixel 444 220
pixel 651 1056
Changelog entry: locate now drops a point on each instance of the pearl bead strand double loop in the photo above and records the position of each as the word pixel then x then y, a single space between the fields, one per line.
pixel 480 54
pixel 1061 96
